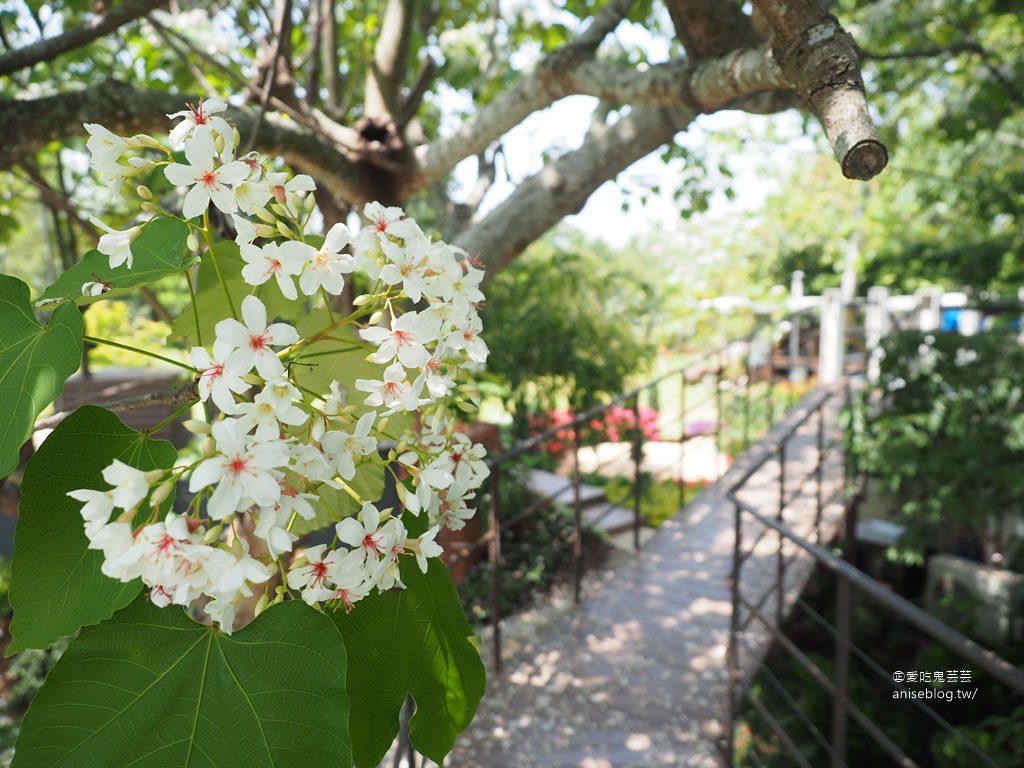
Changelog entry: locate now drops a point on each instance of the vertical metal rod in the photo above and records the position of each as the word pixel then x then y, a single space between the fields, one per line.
pixel 780 560
pixel 718 418
pixel 840 702
pixel 494 554
pixel 732 649
pixel 746 403
pixel 844 620
pixel 771 387
pixel 682 438
pixel 577 516
pixel 638 454
pixel 819 472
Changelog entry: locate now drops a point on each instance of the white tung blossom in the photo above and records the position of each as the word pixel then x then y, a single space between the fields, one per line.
pixel 288 437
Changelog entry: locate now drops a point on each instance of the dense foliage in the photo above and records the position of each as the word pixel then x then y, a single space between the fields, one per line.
pixel 566 325
pixel 943 430
pixel 947 78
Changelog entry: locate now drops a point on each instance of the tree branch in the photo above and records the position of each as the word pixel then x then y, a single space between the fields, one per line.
pixel 563 186
pixel 165 397
pixel 51 48
pixel 125 109
pixel 529 94
pixel 925 53
pixel 711 28
pixel 331 66
pixel 705 87
pixel 387 73
pixel 820 59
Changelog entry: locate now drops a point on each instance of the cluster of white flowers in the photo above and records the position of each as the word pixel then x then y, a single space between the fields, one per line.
pixel 274 446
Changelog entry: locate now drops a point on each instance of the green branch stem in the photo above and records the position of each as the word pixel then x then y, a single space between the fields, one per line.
pixel 216 265
pixel 178 413
pixel 195 307
pixel 137 350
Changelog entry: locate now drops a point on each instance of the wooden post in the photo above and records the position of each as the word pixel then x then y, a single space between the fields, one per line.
pixel 929 311
pixel 876 328
pixel 833 337
pixel 797 372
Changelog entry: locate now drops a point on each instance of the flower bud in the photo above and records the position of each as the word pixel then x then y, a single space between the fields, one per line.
pixel 285 230
pixel 213 534
pixel 147 206
pixel 209 447
pixel 127 516
pixel 376 317
pixel 265 215
pixel 263 230
pixel 154 475
pixel 144 192
pixel 140 164
pixel 196 426
pixel 161 493
pixel 261 604
pixel 142 140
pixel 309 203
pixel 363 298
pixel 192 242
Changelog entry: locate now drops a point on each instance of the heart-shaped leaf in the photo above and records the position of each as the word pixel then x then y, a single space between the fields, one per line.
pixel 35 361
pixel 415 641
pixel 158 251
pixel 152 687
pixel 57 586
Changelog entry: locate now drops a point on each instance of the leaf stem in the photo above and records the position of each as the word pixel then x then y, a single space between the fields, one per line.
pixel 195 307
pixel 129 348
pixel 216 264
pixel 172 418
pixel 327 303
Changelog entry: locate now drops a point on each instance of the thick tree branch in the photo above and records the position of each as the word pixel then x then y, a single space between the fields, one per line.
pixel 565 184
pixel 529 94
pixel 705 87
pixel 331 65
pixel 820 59
pixel 387 73
pixel 49 49
pixel 125 109
pixel 711 28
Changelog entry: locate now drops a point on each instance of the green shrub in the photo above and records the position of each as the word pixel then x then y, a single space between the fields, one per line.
pixel 943 430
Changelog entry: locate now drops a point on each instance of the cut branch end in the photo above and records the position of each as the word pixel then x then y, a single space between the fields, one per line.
pixel 865 160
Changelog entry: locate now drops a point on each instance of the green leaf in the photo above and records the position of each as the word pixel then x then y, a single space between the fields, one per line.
pixel 340 357
pixel 152 687
pixel 35 361
pixel 158 251
pixel 334 504
pixel 57 586
pixel 415 641
pixel 212 304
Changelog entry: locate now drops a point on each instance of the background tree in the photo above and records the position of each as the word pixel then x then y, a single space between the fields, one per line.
pixel 567 322
pixel 948 80
pixel 383 102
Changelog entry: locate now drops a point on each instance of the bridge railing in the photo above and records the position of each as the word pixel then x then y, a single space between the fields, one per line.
pixel 780 596
pixel 743 376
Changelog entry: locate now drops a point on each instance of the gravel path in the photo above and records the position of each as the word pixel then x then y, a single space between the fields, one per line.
pixel 635 675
